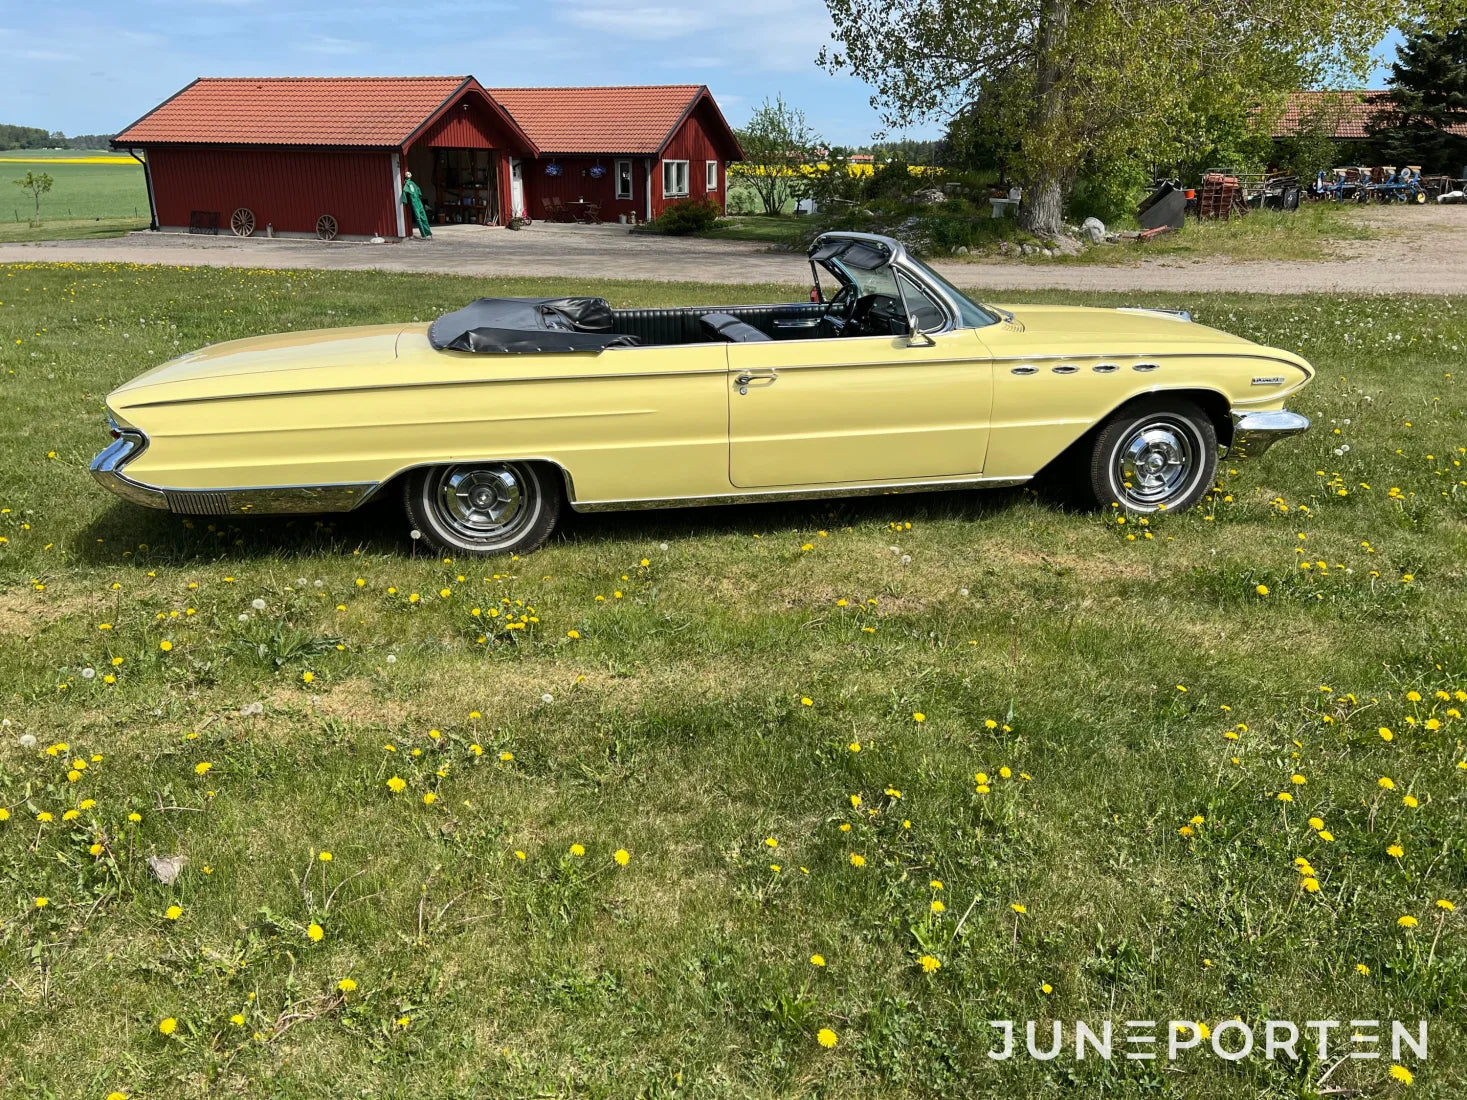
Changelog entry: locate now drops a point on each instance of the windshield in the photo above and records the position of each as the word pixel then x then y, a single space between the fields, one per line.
pixel 970 313
pixel 865 266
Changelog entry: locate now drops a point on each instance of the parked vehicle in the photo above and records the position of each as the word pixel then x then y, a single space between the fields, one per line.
pixel 491 420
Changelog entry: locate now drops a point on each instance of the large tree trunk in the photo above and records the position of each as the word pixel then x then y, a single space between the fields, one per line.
pixel 1043 210
pixel 1044 206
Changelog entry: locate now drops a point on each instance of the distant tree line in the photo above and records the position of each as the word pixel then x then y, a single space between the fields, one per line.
pixel 33 137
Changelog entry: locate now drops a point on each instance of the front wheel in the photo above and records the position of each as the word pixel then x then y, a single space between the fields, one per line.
pixel 484 508
pixel 1160 456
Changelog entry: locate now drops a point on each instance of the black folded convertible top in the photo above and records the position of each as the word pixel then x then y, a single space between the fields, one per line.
pixel 520 326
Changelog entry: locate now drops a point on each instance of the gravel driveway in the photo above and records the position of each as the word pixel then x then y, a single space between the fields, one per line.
pixel 1425 252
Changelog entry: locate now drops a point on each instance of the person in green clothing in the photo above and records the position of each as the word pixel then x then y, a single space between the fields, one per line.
pixel 412 198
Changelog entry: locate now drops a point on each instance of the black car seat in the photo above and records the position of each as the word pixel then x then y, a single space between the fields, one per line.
pixel 725 326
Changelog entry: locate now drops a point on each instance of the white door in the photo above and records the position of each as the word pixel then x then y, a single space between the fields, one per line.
pixel 517 187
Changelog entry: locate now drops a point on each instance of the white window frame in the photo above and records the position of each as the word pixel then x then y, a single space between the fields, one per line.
pixel 678 168
pixel 710 175
pixel 631 180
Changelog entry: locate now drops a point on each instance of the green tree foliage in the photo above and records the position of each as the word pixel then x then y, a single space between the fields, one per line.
pixel 33 137
pixel 23 137
pixel 778 143
pixel 37 183
pixel 1118 83
pixel 1428 91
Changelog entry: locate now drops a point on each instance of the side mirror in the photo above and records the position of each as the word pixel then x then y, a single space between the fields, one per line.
pixel 915 336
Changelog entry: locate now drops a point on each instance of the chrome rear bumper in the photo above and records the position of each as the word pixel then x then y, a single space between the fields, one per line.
pixel 1256 432
pixel 107 469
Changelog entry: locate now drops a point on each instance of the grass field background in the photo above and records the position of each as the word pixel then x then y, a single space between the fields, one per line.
pixel 840 746
pixel 95 194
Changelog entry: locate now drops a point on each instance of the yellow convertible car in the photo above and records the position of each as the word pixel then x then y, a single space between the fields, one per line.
pixel 492 419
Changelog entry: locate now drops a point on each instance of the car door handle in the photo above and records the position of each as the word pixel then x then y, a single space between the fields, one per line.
pixel 803 322
pixel 743 378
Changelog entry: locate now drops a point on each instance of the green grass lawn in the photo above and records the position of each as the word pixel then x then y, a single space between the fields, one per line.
pixel 865 731
pixel 94 194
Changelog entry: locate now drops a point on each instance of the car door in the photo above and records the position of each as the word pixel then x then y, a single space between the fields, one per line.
pixel 854 410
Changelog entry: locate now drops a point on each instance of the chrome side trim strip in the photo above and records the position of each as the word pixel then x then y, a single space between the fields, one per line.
pixel 268 500
pixel 774 496
pixel 1255 432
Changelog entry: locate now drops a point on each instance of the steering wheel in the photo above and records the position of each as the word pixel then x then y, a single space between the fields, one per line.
pixel 840 310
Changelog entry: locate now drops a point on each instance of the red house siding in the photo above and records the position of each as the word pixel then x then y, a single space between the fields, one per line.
pixel 576 183
pixel 286 188
pixel 693 144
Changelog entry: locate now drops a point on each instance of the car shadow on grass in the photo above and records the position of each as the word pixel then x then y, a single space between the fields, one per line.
pixel 124 531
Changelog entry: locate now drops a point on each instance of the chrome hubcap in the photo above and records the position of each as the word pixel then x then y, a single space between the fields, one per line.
pixel 484 502
pixel 1155 464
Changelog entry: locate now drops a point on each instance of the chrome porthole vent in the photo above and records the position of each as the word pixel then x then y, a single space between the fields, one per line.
pixel 1066 368
pixel 1146 367
pixel 1105 368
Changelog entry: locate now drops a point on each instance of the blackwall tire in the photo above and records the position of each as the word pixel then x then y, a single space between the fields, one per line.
pixel 484 508
pixel 1160 455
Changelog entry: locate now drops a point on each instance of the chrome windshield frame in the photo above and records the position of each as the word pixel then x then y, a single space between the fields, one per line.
pixel 902 260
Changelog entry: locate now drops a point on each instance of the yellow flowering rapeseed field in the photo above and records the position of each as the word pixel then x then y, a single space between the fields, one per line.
pixel 756 801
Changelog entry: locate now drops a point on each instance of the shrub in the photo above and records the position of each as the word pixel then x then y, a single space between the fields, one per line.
pixel 692 216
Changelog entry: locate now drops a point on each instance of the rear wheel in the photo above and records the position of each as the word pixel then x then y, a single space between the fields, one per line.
pixel 1157 456
pixel 484 507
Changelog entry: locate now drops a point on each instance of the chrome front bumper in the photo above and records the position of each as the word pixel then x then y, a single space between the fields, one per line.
pixel 107 469
pixel 1256 432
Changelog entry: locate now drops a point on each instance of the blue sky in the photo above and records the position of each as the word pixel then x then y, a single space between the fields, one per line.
pixel 99 65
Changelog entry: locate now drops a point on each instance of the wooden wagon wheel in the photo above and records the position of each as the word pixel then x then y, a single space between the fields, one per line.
pixel 242 221
pixel 326 227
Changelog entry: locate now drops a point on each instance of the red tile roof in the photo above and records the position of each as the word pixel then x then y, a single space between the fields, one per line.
pixel 633 119
pixel 353 111
pixel 1351 112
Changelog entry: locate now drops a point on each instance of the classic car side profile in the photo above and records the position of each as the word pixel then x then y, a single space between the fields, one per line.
pixel 492 419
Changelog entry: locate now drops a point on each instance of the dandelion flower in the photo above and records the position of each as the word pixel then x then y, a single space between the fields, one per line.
pixel 429 798
pixel 937 906
pixel 817 960
pixel 237 1019
pixel 577 850
pixel 1262 590
pixel 1402 1074
pixel 1408 921
pixel 168 1025
pixel 173 912
pixel 1361 968
pixel 622 856
pixel 918 716
pixel 857 860
pixel 1018 908
pixel 396 784
pixel 1395 851
pixel 1046 989
pixel 930 964
pixel 325 857
pixel 346 985
pixel 1386 783
pixel 770 842
pixel 165 645
pixel 315 932
pixel 826 1038
pixel 1284 796
pixel 1444 904
pixel 41 903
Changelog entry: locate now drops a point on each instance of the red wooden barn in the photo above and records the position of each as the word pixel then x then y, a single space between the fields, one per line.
pixel 326 156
